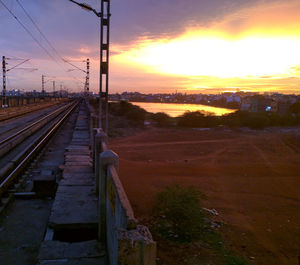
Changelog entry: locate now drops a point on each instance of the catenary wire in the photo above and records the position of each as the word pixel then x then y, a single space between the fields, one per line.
pixel 28 31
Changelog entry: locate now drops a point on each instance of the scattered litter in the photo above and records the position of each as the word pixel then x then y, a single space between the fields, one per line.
pixel 211 211
pixel 217 224
pixel 202 129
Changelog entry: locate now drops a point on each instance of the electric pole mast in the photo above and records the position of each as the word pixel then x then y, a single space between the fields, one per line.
pixel 104 16
pixel 53 88
pixel 43 85
pixel 4 103
pixel 87 75
pixel 104 59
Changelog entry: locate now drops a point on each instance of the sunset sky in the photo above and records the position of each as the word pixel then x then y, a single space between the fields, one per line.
pixel 162 46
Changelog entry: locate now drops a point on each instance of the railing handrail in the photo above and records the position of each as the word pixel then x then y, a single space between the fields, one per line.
pixel 123 197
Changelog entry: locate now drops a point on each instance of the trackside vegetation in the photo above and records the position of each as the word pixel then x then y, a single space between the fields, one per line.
pixel 179 220
pixel 254 120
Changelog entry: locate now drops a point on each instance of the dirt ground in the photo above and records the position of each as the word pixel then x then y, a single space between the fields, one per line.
pixel 250 177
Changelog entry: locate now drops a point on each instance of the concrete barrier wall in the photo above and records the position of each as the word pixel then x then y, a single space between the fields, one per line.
pixel 127 241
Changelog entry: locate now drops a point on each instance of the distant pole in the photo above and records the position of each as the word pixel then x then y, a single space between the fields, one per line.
pixel 43 85
pixel 4 105
pixel 53 88
pixel 104 59
pixel 87 75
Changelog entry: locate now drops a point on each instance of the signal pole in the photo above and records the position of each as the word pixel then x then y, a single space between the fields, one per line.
pixel 4 103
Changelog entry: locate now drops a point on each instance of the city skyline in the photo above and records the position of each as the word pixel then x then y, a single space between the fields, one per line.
pixel 190 46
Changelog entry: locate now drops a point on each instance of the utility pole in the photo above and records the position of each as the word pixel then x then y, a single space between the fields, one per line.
pixel 87 75
pixel 104 16
pixel 43 85
pixel 5 71
pixel 104 59
pixel 53 88
pixel 4 103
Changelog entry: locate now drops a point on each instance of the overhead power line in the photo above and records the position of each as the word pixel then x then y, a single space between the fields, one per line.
pixel 40 31
pixel 47 40
pixel 28 31
pixel 36 40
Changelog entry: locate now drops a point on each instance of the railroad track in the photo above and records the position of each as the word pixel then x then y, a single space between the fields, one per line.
pixel 11 126
pixel 10 140
pixel 11 115
pixel 19 149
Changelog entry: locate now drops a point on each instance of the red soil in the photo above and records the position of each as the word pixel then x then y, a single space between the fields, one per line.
pixel 250 177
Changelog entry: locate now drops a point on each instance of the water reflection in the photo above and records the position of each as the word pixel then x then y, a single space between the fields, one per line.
pixel 174 109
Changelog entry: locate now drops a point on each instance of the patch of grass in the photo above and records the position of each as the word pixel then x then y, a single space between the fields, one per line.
pixel 232 259
pixel 179 213
pixel 179 223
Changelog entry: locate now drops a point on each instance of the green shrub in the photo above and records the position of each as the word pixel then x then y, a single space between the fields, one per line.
pixel 129 111
pixel 231 259
pixel 257 121
pixel 161 119
pixel 295 108
pixel 246 119
pixel 197 119
pixel 179 213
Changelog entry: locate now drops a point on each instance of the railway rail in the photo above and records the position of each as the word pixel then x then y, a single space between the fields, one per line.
pixel 12 140
pixel 8 114
pixel 19 149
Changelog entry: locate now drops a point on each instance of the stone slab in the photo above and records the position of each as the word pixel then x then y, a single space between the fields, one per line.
pixel 78 169
pixel 76 157
pixel 51 250
pixel 78 163
pixel 81 134
pixel 76 147
pixel 87 175
pixel 77 182
pixel 75 179
pixel 80 143
pixel 82 261
pixel 44 185
pixel 77 152
pixel 74 207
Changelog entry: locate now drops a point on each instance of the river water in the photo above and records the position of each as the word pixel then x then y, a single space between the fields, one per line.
pixel 175 109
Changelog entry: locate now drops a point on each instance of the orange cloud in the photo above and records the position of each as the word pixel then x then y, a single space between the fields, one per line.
pixel 255 48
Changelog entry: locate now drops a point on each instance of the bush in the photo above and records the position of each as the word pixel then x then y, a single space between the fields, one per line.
pixel 179 213
pixel 128 110
pixel 248 119
pixel 161 119
pixel 232 259
pixel 197 119
pixel 257 121
pixel 295 108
